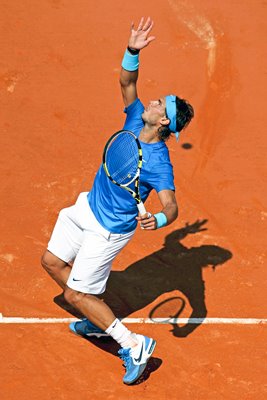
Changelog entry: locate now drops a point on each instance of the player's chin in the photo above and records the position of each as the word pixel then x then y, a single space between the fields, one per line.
pixel 144 116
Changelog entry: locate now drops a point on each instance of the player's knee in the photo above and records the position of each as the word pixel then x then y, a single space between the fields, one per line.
pixel 73 297
pixel 49 263
pixel 44 262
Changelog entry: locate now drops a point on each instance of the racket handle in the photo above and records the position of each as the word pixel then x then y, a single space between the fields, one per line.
pixel 142 209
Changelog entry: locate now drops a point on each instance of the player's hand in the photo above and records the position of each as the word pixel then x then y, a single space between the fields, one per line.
pixel 147 222
pixel 140 37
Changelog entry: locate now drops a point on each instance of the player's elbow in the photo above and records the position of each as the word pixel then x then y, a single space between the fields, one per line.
pixel 173 213
pixel 176 212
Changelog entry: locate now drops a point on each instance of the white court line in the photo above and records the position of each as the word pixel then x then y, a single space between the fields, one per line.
pixel 207 321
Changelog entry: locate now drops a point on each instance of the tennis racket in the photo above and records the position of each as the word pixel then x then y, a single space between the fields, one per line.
pixel 168 310
pixel 122 163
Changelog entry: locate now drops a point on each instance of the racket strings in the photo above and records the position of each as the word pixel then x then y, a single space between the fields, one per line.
pixel 122 159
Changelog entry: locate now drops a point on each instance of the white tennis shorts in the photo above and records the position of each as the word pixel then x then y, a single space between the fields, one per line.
pixel 78 237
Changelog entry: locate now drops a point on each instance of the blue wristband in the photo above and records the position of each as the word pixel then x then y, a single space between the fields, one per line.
pixel 130 62
pixel 161 219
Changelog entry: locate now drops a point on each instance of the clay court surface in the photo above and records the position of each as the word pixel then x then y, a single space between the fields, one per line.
pixel 59 102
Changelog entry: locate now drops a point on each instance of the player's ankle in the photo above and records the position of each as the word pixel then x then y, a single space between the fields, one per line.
pixel 122 335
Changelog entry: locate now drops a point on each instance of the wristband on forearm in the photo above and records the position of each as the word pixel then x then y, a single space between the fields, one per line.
pixel 130 61
pixel 161 220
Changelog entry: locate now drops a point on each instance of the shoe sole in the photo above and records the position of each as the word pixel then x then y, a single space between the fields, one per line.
pixel 85 335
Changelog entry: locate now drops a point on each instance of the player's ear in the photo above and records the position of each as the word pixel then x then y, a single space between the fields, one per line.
pixel 164 121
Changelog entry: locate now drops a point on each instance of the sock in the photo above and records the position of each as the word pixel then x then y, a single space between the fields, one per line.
pixel 121 334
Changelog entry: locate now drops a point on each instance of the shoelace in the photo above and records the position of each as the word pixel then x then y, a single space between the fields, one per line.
pixel 124 354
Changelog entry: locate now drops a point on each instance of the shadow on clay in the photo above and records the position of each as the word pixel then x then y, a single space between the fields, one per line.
pixel 173 267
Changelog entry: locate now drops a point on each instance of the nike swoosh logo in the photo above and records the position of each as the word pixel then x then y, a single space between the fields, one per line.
pixel 76 280
pixel 140 356
pixel 113 326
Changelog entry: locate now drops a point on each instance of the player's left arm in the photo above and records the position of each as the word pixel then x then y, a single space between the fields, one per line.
pixel 169 209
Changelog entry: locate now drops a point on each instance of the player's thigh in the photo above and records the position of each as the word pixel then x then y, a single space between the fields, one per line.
pixel 93 262
pixel 67 236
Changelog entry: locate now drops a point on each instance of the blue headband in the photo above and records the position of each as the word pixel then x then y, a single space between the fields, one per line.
pixel 171 113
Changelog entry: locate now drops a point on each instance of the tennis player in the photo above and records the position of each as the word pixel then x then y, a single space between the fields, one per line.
pixel 88 235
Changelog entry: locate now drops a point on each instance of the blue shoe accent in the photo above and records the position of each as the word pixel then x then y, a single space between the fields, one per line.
pixel 135 366
pixel 86 328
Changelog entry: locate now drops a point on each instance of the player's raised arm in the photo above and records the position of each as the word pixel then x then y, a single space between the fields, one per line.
pixel 139 38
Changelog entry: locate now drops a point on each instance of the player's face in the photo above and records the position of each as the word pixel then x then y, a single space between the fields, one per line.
pixel 155 110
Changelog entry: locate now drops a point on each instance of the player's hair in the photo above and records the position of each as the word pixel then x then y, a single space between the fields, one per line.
pixel 184 114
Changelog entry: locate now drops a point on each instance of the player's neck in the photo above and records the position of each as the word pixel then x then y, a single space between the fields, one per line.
pixel 149 135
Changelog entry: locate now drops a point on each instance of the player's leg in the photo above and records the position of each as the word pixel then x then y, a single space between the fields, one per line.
pixel 64 244
pixel 90 272
pixel 91 306
pixel 58 269
pixel 136 349
pixel 88 277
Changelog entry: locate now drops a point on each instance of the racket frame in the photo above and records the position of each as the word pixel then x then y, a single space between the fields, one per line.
pixel 136 192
